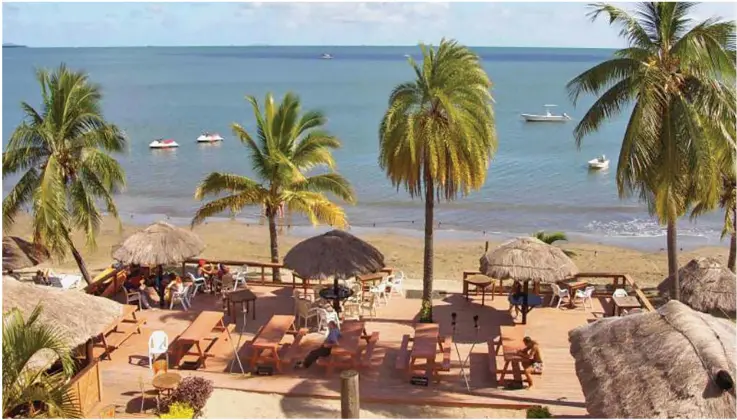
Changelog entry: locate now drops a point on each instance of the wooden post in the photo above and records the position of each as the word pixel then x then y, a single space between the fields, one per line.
pixel 524 302
pixel 349 398
pixel 88 350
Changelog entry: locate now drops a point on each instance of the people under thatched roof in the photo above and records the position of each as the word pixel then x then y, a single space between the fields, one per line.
pixel 671 363
pixel 706 285
pixel 77 315
pixel 19 253
pixel 159 244
pixel 526 259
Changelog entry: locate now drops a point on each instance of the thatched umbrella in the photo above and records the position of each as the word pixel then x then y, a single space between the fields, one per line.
pixel 706 285
pixel 19 253
pixel 335 254
pixel 672 363
pixel 158 245
pixel 77 315
pixel 524 259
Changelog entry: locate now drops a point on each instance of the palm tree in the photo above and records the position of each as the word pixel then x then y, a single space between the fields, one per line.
pixel 437 135
pixel 288 144
pixel 676 74
pixel 28 390
pixel 553 237
pixel 63 150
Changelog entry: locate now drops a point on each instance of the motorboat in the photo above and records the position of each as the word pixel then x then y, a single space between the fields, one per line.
pixel 163 144
pixel 599 163
pixel 209 138
pixel 548 117
pixel 326 56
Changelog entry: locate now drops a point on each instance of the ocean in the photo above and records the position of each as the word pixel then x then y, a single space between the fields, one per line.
pixel 538 179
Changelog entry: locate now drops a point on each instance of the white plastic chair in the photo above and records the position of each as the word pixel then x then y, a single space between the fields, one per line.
pixel 198 283
pixel 585 295
pixel 619 293
pixel 133 296
pixel 181 297
pixel 323 318
pixel 303 311
pixel 369 304
pixel 380 292
pixel 396 285
pixel 560 294
pixel 241 277
pixel 158 344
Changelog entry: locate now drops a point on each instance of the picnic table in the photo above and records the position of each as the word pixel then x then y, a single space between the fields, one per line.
pixel 119 331
pixel 425 345
pixel 510 342
pixel 243 296
pixel 482 283
pixel 368 280
pixel 572 287
pixel 268 340
pixel 624 302
pixel 347 353
pixel 202 334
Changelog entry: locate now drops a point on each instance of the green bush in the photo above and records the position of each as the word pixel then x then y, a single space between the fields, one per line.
pixel 538 412
pixel 179 410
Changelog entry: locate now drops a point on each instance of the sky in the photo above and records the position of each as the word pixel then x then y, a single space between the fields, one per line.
pixel 347 23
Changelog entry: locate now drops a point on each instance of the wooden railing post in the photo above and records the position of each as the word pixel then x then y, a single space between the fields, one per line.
pixel 349 398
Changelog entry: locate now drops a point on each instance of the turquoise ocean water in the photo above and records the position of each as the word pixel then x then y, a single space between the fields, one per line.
pixel 538 180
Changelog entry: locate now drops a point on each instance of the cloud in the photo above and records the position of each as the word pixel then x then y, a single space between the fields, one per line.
pixel 299 14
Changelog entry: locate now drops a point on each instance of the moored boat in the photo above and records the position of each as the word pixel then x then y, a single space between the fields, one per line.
pixel 599 163
pixel 163 144
pixel 209 137
pixel 547 117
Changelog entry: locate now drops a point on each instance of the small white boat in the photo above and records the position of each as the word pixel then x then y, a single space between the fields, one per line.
pixel 209 138
pixel 326 56
pixel 599 163
pixel 548 117
pixel 163 144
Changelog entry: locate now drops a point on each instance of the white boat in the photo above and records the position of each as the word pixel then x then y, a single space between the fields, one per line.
pixel 326 56
pixel 163 144
pixel 599 163
pixel 209 138
pixel 549 117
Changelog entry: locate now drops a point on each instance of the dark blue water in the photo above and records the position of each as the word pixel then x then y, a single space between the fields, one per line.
pixel 537 180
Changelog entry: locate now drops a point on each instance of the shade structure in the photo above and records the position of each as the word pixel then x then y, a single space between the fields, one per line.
pixel 77 315
pixel 706 285
pixel 526 259
pixel 159 244
pixel 672 363
pixel 335 254
pixel 19 253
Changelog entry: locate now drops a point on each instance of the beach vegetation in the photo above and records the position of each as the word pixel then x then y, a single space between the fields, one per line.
pixel 437 135
pixel 178 410
pixel 286 148
pixel 63 151
pixel 539 412
pixel 30 388
pixel 553 237
pixel 193 391
pixel 676 73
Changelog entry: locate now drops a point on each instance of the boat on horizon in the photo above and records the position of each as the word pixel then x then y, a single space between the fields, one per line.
pixel 163 144
pixel 548 117
pixel 326 56
pixel 600 162
pixel 209 137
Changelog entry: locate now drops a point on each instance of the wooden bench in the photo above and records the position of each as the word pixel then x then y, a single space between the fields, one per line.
pixel 293 350
pixel 267 342
pixel 119 331
pixel 403 356
pixel 510 341
pixel 369 351
pixel 199 335
pixel 447 344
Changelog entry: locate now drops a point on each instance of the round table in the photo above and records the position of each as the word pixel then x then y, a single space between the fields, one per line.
pixel 166 382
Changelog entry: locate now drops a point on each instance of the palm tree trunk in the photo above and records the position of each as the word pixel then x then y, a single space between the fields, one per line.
pixel 426 311
pixel 80 263
pixel 273 239
pixel 733 245
pixel 673 259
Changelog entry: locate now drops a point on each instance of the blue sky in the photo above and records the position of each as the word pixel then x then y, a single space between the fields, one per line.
pixel 181 24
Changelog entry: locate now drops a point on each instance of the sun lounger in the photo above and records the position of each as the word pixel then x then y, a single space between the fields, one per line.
pixel 64 281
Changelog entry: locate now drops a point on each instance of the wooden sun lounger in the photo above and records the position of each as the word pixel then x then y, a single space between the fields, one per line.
pixel 116 334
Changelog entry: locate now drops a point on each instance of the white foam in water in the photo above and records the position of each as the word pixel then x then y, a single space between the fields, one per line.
pixel 645 228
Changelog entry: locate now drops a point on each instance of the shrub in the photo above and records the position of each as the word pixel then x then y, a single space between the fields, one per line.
pixel 178 410
pixel 194 391
pixel 538 412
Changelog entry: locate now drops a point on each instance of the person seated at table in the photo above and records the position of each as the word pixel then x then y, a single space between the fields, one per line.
pixel 515 296
pixel 325 349
pixel 137 284
pixel 174 286
pixel 532 359
pixel 205 271
pixel 41 278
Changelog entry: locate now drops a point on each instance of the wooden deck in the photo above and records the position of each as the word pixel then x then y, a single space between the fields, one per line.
pixel 558 387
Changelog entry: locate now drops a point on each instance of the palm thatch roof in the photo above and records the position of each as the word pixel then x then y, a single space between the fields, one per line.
pixel 19 253
pixel 527 258
pixel 159 244
pixel 706 285
pixel 671 363
pixel 335 254
pixel 78 315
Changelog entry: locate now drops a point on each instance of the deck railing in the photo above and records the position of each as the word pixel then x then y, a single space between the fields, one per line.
pixel 259 264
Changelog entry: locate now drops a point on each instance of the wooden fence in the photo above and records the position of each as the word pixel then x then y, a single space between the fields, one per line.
pixel 86 388
pixel 258 264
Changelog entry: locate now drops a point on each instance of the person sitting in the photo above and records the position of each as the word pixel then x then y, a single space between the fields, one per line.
pixel 206 271
pixel 137 284
pixel 174 286
pixel 326 347
pixel 532 359
pixel 515 296
pixel 41 278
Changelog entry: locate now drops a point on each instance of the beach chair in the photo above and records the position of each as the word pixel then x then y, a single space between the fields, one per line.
pixel 560 294
pixel 369 305
pixel 619 293
pixel 241 277
pixel 303 310
pixel 133 296
pixel 158 344
pixel 396 286
pixel 181 297
pixel 585 295
pixel 197 282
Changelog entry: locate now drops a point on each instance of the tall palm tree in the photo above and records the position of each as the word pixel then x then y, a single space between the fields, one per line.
pixel 553 237
pixel 676 74
pixel 437 135
pixel 63 150
pixel 287 146
pixel 28 390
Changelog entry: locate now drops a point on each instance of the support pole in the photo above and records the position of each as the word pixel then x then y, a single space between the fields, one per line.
pixel 349 398
pixel 525 303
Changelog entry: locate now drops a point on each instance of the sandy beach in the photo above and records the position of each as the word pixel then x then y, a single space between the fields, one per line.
pixel 235 240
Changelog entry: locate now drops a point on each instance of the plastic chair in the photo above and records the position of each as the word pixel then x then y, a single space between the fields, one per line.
pixel 380 292
pixel 619 293
pixel 158 344
pixel 304 311
pixel 241 277
pixel 181 297
pixel 198 282
pixel 369 304
pixel 560 294
pixel 133 296
pixel 585 295
pixel 396 285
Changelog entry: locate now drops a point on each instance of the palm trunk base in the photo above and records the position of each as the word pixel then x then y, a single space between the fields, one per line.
pixel 81 264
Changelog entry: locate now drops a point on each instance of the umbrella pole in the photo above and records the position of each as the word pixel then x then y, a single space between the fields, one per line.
pixel 525 303
pixel 336 301
pixel 160 286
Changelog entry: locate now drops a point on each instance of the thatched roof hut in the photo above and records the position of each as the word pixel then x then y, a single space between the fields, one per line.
pixel 19 253
pixel 527 259
pixel 706 285
pixel 672 363
pixel 159 244
pixel 336 254
pixel 78 315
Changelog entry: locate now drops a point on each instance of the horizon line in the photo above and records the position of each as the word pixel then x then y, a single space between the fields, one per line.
pixel 13 44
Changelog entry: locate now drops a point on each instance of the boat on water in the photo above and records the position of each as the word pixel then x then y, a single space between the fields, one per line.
pixel 326 56
pixel 599 163
pixel 547 117
pixel 163 144
pixel 209 137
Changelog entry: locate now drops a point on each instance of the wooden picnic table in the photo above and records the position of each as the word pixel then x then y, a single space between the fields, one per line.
pixel 265 345
pixel 244 296
pixel 119 331
pixel 572 287
pixel 199 331
pixel 388 270
pixel 425 345
pixel 348 352
pixel 624 302
pixel 482 283
pixel 510 342
pixel 368 280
